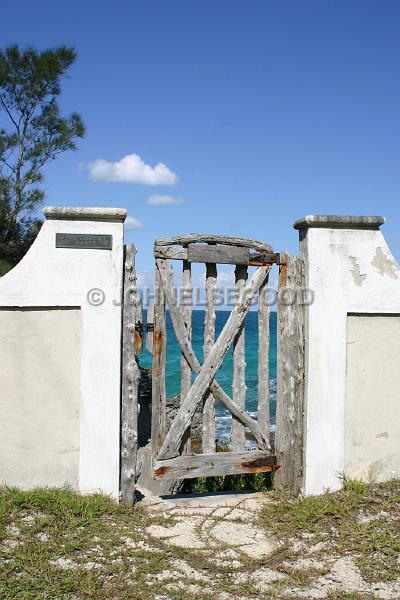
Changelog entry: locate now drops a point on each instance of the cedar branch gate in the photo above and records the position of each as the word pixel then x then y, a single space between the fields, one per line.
pixel 172 455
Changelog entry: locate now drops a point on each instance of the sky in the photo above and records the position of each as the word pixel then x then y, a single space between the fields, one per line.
pixel 232 117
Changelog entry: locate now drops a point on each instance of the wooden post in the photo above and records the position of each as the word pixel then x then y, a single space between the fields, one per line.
pixel 263 360
pixel 290 400
pixel 209 338
pixel 130 381
pixel 239 367
pixel 159 400
pixel 186 371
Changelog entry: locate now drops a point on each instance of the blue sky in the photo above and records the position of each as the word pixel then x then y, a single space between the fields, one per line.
pixel 265 111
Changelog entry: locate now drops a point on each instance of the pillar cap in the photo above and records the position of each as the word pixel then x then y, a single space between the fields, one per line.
pixel 75 213
pixel 339 222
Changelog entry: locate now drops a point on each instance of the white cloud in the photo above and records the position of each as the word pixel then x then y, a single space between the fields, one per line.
pixel 133 223
pixel 131 169
pixel 157 199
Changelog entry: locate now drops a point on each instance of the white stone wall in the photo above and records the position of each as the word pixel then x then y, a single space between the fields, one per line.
pixel 50 277
pixel 351 271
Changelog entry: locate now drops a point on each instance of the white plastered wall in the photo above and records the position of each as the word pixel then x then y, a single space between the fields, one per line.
pixel 351 270
pixel 62 277
pixel 40 396
pixel 372 415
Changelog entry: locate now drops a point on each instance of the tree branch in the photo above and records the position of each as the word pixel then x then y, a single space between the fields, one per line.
pixel 8 112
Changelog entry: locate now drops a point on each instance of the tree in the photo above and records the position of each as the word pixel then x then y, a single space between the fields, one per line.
pixel 30 83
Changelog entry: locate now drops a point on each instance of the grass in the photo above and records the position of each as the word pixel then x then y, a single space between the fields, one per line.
pixel 56 544
pixel 355 486
pixel 250 482
pixel 362 520
pixel 72 547
pixel 257 482
pixel 54 523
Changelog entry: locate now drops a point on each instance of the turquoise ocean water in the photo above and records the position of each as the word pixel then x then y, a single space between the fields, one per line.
pixel 224 375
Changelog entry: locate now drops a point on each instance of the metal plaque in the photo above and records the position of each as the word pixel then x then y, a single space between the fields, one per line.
pixel 84 240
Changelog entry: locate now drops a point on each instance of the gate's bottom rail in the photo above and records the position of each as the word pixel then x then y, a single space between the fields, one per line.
pixel 211 465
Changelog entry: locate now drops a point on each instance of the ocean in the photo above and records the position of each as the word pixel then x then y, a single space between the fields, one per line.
pixel 224 375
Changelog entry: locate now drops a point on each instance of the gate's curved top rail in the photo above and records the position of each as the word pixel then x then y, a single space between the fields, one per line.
pixel 209 238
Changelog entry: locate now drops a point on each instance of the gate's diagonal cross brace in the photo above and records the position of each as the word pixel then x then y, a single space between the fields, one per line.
pixel 206 373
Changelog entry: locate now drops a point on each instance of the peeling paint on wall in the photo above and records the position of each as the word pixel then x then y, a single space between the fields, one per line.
pixel 358 277
pixel 384 264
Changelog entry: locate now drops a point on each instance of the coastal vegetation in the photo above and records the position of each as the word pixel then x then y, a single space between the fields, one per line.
pixel 58 544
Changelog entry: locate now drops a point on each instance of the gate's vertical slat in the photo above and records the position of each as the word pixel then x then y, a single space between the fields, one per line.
pixel 209 338
pixel 130 381
pixel 186 371
pixel 158 421
pixel 138 323
pixel 263 359
pixel 150 327
pixel 239 367
pixel 290 400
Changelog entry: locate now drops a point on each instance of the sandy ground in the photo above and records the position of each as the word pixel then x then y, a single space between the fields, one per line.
pixel 227 527
pixel 201 547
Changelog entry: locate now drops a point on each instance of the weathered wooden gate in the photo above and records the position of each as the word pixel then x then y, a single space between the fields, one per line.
pixel 172 457
pixel 171 445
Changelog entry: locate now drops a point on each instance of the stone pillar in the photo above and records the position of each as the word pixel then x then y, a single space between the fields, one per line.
pixel 60 358
pixel 353 275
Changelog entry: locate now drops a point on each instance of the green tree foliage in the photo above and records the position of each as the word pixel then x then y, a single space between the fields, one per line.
pixel 32 133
